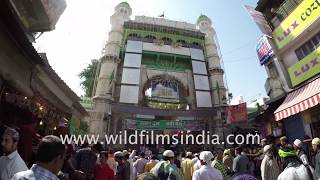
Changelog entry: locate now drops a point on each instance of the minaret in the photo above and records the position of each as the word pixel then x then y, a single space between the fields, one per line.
pixel 109 64
pixel 215 71
pixel 218 89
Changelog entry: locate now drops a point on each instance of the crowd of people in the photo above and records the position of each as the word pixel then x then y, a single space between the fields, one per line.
pixel 55 161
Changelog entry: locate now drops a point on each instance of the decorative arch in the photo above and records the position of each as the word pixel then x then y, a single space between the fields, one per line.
pixel 166 40
pixel 196 45
pixel 182 42
pixel 134 36
pixel 165 92
pixel 150 38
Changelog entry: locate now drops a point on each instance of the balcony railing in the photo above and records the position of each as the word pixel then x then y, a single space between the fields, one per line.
pixel 286 8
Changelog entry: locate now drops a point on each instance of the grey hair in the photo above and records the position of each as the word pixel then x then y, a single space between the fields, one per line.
pixel 13 133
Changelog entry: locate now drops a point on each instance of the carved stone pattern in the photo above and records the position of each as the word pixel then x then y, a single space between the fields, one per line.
pixel 96 115
pixel 209 43
pixel 215 55
pixel 110 43
pixel 216 71
pixel 113 59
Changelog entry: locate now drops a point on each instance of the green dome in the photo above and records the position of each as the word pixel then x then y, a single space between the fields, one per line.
pixel 203 18
pixel 124 4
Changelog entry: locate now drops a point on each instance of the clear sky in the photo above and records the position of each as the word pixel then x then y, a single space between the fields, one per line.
pixel 82 31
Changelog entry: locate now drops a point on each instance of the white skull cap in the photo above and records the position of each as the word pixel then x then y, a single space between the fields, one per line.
pixel 168 153
pixel 125 152
pixel 118 154
pixel 189 154
pixel 266 148
pixel 298 143
pixel 206 156
pixel 316 141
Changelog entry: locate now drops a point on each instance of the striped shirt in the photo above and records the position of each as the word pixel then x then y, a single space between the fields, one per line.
pixel 222 168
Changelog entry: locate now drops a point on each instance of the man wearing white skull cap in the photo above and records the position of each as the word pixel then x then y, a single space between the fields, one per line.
pixel 297 145
pixel 166 169
pixel 206 172
pixel 269 166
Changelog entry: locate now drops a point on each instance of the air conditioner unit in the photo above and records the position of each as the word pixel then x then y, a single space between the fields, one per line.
pixel 38 15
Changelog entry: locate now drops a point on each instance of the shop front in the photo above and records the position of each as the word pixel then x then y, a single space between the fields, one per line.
pixel 300 111
pixel 312 122
pixel 33 98
pixel 270 127
pixel 17 109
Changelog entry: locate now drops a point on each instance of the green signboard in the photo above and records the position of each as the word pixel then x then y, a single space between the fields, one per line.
pixel 305 68
pixel 135 124
pixel 160 125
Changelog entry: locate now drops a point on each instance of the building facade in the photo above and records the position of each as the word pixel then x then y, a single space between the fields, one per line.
pixel 158 74
pixel 295 67
pixel 30 90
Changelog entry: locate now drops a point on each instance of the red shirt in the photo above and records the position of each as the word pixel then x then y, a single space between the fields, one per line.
pixel 103 172
pixel 25 144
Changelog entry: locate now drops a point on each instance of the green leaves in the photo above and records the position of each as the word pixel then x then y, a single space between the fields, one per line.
pixel 87 76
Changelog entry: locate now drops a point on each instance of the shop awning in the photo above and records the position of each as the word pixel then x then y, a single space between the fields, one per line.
pixel 299 100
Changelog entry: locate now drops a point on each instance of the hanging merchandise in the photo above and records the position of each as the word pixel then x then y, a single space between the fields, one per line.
pixel 40 110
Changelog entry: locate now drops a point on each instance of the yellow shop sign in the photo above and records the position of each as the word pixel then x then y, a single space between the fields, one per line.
pixel 303 16
pixel 305 68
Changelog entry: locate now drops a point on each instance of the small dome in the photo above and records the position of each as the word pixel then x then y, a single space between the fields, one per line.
pixel 124 5
pixel 203 18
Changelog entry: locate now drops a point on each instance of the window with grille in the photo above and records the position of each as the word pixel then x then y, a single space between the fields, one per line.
pixel 308 47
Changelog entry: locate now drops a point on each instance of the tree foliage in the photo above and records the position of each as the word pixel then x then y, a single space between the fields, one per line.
pixel 87 76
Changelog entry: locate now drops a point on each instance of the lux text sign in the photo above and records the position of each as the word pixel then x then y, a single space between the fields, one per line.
pixel 303 16
pixel 305 68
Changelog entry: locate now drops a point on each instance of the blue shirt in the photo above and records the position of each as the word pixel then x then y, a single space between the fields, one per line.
pixel 35 173
pixel 10 165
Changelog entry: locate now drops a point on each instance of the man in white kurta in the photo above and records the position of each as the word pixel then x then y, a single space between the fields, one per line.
pixel 11 162
pixel 133 173
pixel 206 171
pixel 269 166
